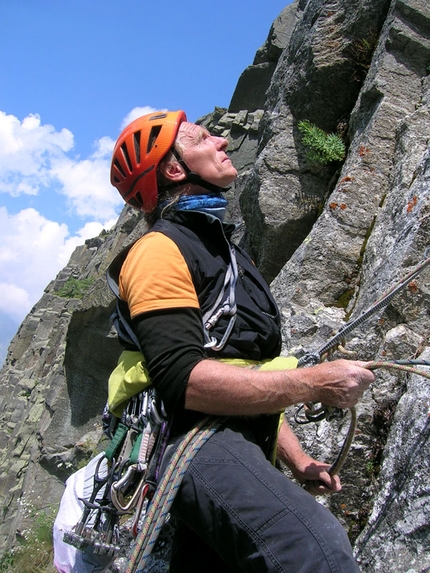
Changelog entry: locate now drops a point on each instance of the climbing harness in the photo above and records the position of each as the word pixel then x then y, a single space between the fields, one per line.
pixel 316 412
pixel 125 477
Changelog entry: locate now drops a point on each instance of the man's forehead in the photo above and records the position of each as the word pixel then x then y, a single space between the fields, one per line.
pixel 191 129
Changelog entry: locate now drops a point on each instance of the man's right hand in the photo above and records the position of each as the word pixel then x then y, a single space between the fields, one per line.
pixel 340 383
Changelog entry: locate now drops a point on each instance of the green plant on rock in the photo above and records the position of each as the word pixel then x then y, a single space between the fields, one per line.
pixel 322 147
pixel 361 52
pixel 35 552
pixel 75 288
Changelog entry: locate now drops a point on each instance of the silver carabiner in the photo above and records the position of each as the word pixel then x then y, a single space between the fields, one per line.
pixel 119 487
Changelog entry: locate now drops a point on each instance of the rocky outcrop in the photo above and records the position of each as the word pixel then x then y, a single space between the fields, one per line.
pixel 318 78
pixel 250 92
pixel 331 238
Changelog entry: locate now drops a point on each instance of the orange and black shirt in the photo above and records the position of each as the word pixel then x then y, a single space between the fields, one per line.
pixel 169 278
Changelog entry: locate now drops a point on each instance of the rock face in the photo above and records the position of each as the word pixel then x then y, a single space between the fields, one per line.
pixel 331 238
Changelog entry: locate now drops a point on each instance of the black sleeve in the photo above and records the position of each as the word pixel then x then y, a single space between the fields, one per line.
pixel 172 342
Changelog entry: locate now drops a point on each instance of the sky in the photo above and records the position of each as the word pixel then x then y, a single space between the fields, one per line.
pixel 72 75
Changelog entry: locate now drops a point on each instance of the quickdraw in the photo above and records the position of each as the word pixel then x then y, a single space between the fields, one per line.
pixel 312 358
pixel 126 476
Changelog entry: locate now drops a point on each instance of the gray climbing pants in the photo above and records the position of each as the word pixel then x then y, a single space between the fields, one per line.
pixel 237 513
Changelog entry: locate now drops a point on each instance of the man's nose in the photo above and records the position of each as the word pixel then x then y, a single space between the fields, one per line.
pixel 221 143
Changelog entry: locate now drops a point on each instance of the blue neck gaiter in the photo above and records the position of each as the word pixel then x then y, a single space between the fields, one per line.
pixel 212 204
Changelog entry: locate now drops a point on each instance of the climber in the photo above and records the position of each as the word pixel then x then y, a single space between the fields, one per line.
pixel 209 331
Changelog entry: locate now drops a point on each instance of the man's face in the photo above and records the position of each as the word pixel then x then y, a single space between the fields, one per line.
pixel 205 154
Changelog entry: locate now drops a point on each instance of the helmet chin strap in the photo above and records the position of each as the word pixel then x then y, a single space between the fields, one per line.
pixel 193 178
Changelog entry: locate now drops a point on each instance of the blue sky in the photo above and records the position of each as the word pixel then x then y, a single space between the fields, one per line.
pixel 72 73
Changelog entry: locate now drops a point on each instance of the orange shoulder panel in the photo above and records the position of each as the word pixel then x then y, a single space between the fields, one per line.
pixel 155 276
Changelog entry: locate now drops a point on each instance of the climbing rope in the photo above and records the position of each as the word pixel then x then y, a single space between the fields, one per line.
pixel 312 358
pixel 167 489
pixel 404 365
pixel 337 465
pixel 401 365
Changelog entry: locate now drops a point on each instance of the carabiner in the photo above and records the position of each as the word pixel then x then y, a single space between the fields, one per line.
pixel 119 487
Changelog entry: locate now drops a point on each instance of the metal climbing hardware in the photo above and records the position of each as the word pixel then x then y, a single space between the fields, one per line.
pixel 126 476
pixel 316 412
pixel 312 358
pixel 226 307
pixel 311 412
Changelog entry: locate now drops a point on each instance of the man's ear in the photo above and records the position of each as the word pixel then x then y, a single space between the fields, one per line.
pixel 174 171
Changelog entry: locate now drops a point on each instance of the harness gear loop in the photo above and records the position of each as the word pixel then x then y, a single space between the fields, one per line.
pixel 131 464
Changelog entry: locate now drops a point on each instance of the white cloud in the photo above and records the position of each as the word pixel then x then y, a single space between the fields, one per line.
pixel 26 151
pixel 87 187
pixel 13 300
pixel 103 148
pixel 137 112
pixel 31 137
pixel 34 157
pixel 32 251
pixel 36 160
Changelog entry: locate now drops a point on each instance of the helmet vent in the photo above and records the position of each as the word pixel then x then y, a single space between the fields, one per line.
pixel 155 130
pixel 119 167
pixel 136 142
pixel 126 157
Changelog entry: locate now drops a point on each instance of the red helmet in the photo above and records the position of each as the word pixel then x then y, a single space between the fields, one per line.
pixel 137 154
